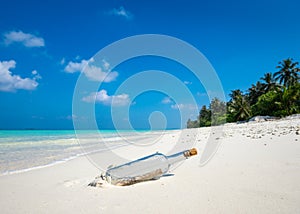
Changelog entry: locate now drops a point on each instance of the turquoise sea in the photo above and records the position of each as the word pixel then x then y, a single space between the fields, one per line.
pixel 23 150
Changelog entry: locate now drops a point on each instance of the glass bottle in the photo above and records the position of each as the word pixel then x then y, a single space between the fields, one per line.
pixel 146 168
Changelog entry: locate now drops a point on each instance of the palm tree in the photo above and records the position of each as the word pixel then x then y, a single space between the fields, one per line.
pixel 269 83
pixel 255 92
pixel 235 93
pixel 192 124
pixel 289 100
pixel 238 106
pixel 218 111
pixel 204 116
pixel 288 73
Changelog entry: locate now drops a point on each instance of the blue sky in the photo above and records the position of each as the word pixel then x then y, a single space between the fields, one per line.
pixel 43 46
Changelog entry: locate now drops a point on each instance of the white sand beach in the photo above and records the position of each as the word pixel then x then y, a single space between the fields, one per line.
pixel 255 170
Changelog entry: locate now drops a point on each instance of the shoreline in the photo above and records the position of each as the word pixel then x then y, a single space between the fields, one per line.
pixel 109 141
pixel 226 128
pixel 246 175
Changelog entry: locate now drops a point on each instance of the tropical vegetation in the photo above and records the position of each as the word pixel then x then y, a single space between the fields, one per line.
pixel 275 94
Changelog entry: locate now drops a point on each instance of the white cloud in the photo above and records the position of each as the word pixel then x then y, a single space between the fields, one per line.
pixel 166 100
pixel 63 61
pixel 10 82
pixel 73 67
pixel 36 75
pixel 121 11
pixel 182 106
pixel 102 97
pixel 202 94
pixel 106 65
pixel 72 117
pixel 27 39
pixel 187 82
pixel 92 72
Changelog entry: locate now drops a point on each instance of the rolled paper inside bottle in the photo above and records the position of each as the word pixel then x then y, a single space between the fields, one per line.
pixel 132 180
pixel 146 168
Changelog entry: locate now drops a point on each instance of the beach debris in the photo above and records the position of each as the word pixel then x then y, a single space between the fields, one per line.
pixel 262 118
pixel 293 116
pixel 98 182
pixel 151 167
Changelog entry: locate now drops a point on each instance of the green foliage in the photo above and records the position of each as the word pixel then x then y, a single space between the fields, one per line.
pixel 266 104
pixel 279 103
pixel 255 92
pixel 288 75
pixel 269 83
pixel 238 106
pixel 204 117
pixel 192 124
pixel 218 111
pixel 214 115
pixel 289 100
pixel 278 95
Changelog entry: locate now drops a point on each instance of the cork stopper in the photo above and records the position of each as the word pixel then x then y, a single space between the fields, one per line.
pixel 190 152
pixel 193 151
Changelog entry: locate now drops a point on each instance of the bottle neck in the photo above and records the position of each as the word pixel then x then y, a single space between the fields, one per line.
pixel 172 159
pixel 181 156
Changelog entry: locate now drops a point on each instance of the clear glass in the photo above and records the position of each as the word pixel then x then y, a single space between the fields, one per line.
pixel 146 168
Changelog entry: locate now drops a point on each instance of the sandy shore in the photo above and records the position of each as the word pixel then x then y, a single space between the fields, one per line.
pixel 255 170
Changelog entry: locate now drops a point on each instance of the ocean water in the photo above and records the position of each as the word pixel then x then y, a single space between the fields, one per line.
pixel 23 150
